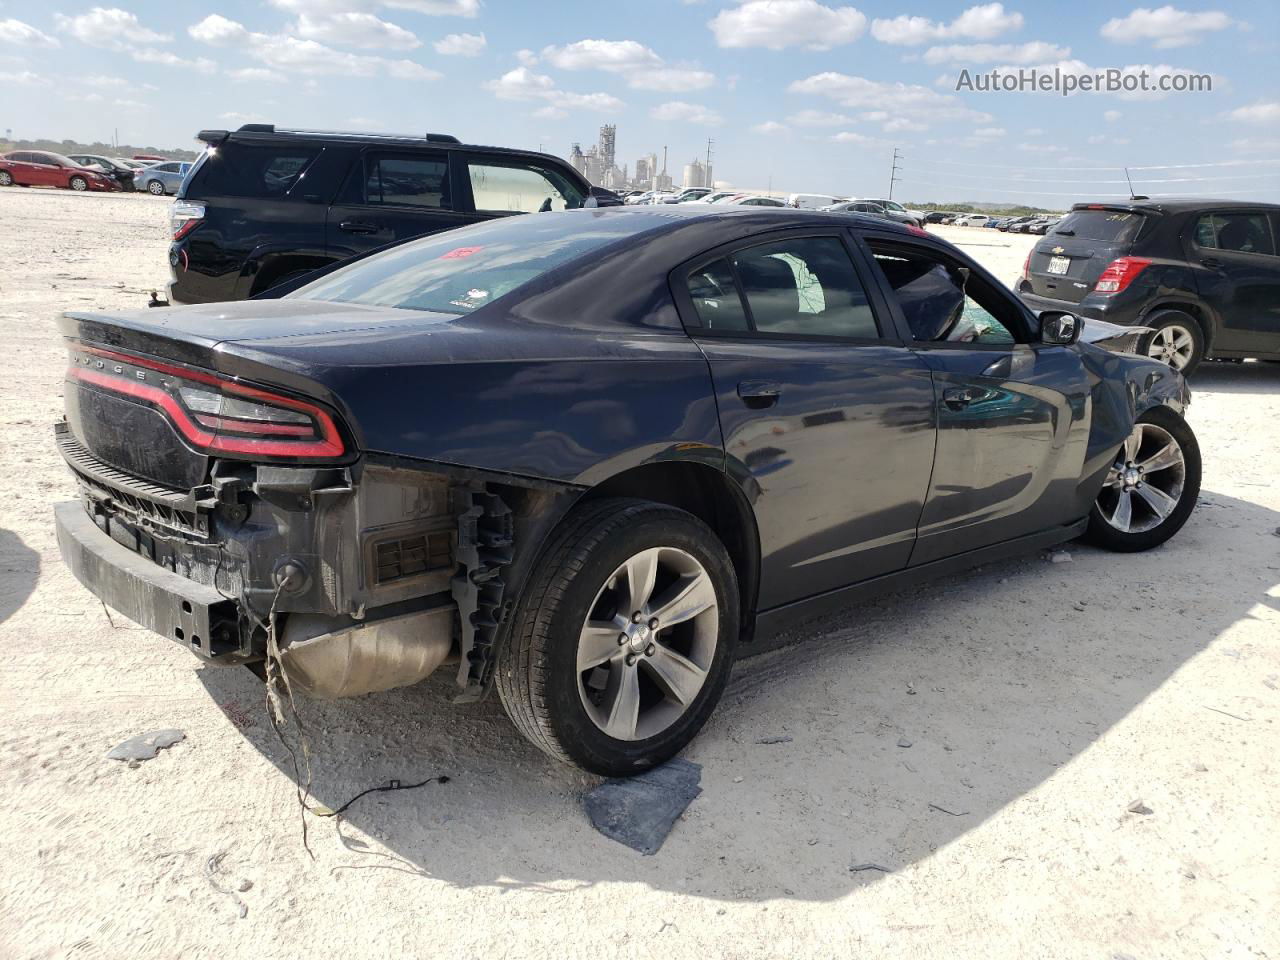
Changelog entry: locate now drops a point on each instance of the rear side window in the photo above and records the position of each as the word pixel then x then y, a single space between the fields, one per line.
pixel 498 188
pixel 407 180
pixel 248 170
pixel 1239 232
pixel 806 287
pixel 1109 226
pixel 716 299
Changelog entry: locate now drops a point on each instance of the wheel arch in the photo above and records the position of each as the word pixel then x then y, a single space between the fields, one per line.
pixel 1193 308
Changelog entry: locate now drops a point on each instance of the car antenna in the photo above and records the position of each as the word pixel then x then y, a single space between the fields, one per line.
pixel 1132 194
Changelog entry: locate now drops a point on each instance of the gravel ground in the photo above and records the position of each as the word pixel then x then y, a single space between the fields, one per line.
pixel 1038 700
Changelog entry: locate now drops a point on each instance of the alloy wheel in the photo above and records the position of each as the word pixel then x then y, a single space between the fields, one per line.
pixel 6 178
pixel 1145 484
pixel 1174 345
pixel 155 188
pixel 78 183
pixel 647 646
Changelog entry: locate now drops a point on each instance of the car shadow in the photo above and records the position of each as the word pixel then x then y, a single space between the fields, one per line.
pixel 877 737
pixel 1252 377
pixel 21 567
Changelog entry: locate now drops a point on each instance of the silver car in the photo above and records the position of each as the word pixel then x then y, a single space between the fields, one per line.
pixel 162 178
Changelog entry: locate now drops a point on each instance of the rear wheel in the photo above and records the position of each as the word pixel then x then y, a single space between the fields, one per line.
pixel 6 178
pixel 78 184
pixel 1151 487
pixel 155 188
pixel 1176 339
pixel 623 641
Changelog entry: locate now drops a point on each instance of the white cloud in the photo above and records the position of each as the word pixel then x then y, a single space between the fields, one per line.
pixel 639 65
pixel 1041 148
pixel 847 137
pixel 678 111
pixel 432 8
pixel 977 23
pixel 24 35
pixel 551 113
pixel 1266 145
pixel 777 24
pixel 1101 138
pixel 1035 131
pixel 350 29
pixel 461 45
pixel 23 78
pixel 1021 53
pixel 256 75
pixel 903 125
pixel 906 101
pixel 526 58
pixel 770 128
pixel 819 118
pixel 988 132
pixel 523 84
pixel 109 27
pixel 241 118
pixel 167 58
pixel 1167 26
pixel 290 55
pixel 1111 116
pixel 1257 113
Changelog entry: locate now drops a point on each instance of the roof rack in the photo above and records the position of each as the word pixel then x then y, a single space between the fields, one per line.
pixel 272 128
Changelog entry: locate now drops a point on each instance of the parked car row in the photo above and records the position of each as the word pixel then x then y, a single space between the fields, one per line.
pixel 82 171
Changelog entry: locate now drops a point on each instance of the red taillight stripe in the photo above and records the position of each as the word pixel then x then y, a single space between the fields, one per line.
pixel 328 447
pixel 254 426
pixel 330 440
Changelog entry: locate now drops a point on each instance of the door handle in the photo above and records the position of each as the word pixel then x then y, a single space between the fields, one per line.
pixel 1213 263
pixel 759 394
pixel 957 398
pixel 355 226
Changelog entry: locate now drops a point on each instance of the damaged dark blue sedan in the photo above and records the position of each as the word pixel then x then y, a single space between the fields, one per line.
pixel 589 457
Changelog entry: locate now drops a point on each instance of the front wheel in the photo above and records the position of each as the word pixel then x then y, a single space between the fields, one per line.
pixel 1151 487
pixel 78 184
pixel 623 641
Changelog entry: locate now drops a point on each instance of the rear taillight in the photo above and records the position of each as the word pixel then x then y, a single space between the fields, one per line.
pixel 184 216
pixel 214 414
pixel 1120 273
pixel 1026 265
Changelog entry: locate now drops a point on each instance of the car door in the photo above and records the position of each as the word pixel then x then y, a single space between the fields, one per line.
pixel 392 195
pixel 1234 256
pixel 20 167
pixel 1012 414
pixel 44 172
pixel 827 417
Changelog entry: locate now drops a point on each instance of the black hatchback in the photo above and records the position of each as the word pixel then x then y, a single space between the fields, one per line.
pixel 265 206
pixel 1202 275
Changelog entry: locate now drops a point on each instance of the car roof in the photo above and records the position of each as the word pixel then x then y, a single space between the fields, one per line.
pixel 269 133
pixel 1174 205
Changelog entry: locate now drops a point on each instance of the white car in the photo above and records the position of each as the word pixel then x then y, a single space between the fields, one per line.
pixel 756 200
pixel 971 220
pixel 811 201
pixel 716 197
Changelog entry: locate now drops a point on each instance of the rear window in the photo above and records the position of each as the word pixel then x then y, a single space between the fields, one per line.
pixel 245 170
pixel 1109 226
pixel 461 270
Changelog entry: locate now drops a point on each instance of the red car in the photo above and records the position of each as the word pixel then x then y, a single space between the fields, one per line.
pixel 31 168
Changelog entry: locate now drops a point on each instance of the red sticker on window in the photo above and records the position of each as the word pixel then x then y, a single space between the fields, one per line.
pixel 457 253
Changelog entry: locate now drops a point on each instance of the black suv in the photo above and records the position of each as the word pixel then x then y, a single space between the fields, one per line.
pixel 1204 275
pixel 265 206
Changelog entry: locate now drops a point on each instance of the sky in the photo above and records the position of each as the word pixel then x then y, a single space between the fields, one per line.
pixel 797 95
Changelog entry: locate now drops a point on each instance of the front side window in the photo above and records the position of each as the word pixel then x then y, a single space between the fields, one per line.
pixel 942 302
pixel 500 188
pixel 805 286
pixel 1238 232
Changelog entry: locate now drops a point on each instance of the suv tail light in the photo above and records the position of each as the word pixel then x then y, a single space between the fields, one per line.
pixel 1120 273
pixel 184 216
pixel 1026 265
pixel 214 414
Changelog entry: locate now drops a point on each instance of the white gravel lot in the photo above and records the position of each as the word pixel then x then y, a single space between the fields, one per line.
pixel 1039 700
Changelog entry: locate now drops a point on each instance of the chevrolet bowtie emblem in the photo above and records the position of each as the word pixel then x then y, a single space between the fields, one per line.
pixel 1059 250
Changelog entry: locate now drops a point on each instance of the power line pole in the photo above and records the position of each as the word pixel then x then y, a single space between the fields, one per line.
pixel 706 173
pixel 893 174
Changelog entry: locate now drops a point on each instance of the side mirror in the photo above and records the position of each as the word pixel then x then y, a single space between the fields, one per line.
pixel 604 198
pixel 1060 328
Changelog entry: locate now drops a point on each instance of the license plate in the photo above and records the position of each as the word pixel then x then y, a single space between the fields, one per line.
pixel 1059 265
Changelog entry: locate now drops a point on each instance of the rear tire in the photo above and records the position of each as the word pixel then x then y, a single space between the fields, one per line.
pixel 155 188
pixel 1151 488
pixel 1176 339
pixel 568 680
pixel 6 178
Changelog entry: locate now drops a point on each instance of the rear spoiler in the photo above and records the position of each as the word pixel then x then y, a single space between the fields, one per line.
pixel 213 138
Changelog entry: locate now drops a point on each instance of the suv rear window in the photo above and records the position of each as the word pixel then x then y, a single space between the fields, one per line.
pixel 248 170
pixel 462 270
pixel 1109 226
